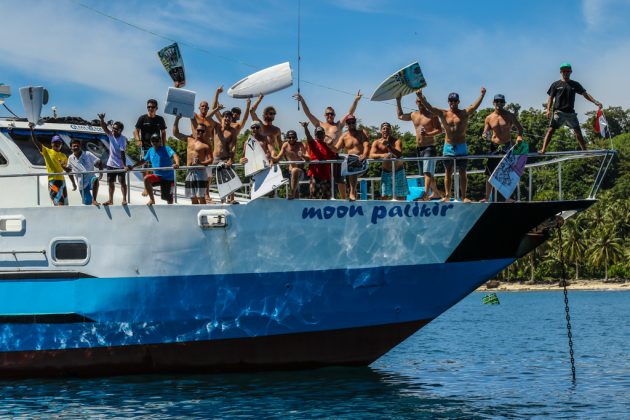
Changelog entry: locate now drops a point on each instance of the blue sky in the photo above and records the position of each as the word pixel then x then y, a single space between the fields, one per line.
pixel 91 63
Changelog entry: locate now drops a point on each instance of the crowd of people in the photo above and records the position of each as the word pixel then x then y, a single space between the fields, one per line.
pixel 214 139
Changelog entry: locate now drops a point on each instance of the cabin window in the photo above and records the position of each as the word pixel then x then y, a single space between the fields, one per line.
pixel 70 251
pixel 3 160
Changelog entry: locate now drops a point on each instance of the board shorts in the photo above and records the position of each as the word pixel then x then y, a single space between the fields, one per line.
pixel 86 192
pixel 455 150
pixel 561 118
pixel 111 176
pixel 427 166
pixel 498 150
pixel 166 186
pixel 196 182
pixel 58 192
pixel 401 190
pixel 320 189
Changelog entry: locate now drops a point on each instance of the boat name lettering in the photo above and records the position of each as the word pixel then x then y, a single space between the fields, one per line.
pixel 86 128
pixel 378 212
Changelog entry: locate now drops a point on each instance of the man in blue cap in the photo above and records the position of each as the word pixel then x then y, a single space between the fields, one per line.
pixel 562 96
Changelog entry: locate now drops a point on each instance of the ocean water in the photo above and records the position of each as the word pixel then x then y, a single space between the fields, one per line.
pixel 475 361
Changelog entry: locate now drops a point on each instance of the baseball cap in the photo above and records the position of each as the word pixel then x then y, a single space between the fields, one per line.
pixel 453 96
pixel 499 97
pixel 255 124
pixel 55 139
pixel 155 137
pixel 319 129
pixel 565 65
pixel 386 123
pixel 351 117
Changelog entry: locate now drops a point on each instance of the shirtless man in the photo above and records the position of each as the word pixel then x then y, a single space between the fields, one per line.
pixel 499 125
pixel 236 112
pixel 427 127
pixel 204 117
pixel 332 129
pixel 268 129
pixel 262 140
pixel 293 150
pixel 225 144
pixel 387 147
pixel 354 142
pixel 455 123
pixel 197 153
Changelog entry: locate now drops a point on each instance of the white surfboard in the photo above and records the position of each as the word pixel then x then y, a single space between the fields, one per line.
pixel 263 82
pixel 267 181
pixel 351 165
pixel 5 92
pixel 507 174
pixel 180 101
pixel 403 82
pixel 33 98
pixel 256 157
pixel 227 181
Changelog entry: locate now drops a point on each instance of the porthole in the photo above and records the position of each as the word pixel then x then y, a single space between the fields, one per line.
pixel 70 251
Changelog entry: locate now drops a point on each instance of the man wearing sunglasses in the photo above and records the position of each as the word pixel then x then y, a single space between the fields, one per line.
pixel 455 123
pixel 355 142
pixel 148 125
pixel 498 129
pixel 332 129
pixel 293 150
pixel 427 127
pixel 256 133
pixel 562 96
pixel 268 129
pixel 197 153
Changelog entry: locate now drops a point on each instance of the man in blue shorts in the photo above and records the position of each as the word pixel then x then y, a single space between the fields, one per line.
pixel 455 123
pixel 388 147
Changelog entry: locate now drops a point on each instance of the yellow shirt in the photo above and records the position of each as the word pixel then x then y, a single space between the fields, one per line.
pixel 54 160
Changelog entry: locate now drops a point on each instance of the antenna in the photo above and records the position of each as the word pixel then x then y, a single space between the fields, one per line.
pixel 299 58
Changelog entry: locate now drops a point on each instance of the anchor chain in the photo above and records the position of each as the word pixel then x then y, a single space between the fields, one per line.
pixel 566 304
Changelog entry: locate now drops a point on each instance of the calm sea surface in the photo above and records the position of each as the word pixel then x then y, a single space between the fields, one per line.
pixel 475 361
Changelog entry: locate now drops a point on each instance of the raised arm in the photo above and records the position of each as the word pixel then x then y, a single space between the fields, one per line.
pixel 101 118
pixel 215 101
pixel 245 114
pixel 34 138
pixel 307 132
pixel 436 111
pixel 472 108
pixel 176 133
pixel 401 116
pixel 357 98
pixel 255 107
pixel 307 111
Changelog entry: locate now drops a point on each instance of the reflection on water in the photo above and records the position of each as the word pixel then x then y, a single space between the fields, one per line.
pixel 475 361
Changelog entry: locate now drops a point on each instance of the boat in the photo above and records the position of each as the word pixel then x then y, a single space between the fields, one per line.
pixel 267 284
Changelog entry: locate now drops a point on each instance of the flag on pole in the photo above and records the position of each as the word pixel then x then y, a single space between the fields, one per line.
pixel 601 125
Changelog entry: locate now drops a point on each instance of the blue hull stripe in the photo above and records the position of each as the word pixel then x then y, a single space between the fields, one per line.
pixel 151 310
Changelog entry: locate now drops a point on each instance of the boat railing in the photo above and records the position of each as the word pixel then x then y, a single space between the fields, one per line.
pixel 551 159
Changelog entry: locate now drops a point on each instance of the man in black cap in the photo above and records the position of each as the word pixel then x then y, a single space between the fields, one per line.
pixel 455 123
pixel 562 96
pixel 498 129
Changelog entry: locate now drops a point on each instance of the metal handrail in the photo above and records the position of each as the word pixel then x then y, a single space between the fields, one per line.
pixel 556 158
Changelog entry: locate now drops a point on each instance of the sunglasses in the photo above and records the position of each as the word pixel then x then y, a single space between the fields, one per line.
pixel 330 113
pixel 271 113
pixel 351 122
pixel 201 130
pixel 256 128
pixel 291 137
pixel 151 106
pixel 499 102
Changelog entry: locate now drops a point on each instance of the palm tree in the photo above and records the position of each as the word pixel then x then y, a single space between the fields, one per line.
pixel 574 245
pixel 606 248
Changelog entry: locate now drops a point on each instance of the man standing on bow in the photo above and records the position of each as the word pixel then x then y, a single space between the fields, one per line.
pixel 562 96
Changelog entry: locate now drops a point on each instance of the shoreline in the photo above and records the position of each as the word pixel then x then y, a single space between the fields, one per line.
pixel 593 285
